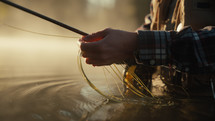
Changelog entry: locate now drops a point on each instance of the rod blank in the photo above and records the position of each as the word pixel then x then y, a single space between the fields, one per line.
pixel 44 17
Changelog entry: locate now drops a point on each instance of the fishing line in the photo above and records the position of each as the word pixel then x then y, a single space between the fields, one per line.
pixel 33 32
pixel 115 81
pixel 116 76
pixel 111 92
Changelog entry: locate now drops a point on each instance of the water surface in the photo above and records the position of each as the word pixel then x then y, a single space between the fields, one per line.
pixel 40 81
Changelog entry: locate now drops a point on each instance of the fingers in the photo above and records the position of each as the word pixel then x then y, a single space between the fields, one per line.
pixel 90 46
pixel 96 59
pixel 91 42
pixel 98 62
pixel 90 55
pixel 97 50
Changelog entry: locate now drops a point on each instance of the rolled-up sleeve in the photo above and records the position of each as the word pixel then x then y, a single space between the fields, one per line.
pixel 190 51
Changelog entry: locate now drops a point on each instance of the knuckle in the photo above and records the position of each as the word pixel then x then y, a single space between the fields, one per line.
pixel 85 55
pixel 107 30
pixel 89 61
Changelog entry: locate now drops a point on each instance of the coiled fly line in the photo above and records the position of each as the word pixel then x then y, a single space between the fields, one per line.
pixel 116 83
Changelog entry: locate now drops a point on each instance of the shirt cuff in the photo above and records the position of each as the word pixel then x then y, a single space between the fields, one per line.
pixel 153 48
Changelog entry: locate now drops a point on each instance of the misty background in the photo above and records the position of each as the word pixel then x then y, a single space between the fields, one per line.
pixel 39 74
pixel 28 54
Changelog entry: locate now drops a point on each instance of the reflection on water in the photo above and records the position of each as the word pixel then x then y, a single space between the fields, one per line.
pixel 45 98
pixel 40 81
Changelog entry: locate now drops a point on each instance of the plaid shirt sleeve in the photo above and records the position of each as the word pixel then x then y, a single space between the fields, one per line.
pixel 189 51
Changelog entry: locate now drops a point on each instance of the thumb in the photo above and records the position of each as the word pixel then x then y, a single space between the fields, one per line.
pixel 96 36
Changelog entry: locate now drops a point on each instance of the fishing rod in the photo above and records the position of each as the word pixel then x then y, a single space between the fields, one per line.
pixel 44 17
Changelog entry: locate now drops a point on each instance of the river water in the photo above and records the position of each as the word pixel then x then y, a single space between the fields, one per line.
pixel 40 81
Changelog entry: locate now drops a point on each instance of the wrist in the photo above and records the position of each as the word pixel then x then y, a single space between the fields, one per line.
pixel 152 47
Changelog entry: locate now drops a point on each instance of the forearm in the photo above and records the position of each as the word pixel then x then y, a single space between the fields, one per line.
pixel 191 51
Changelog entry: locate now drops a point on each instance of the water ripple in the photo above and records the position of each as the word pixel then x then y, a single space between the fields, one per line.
pixel 45 98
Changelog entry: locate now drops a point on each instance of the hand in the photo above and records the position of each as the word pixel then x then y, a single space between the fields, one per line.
pixel 108 46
